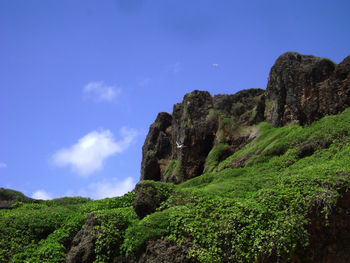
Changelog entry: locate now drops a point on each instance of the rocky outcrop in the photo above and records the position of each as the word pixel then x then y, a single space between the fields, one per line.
pixel 162 250
pixel 149 196
pixel 83 244
pixel 239 106
pixel 303 89
pixel 157 147
pixel 177 145
pixel 192 129
pixel 6 205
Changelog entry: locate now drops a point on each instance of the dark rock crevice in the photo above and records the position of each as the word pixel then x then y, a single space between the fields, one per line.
pixel 82 249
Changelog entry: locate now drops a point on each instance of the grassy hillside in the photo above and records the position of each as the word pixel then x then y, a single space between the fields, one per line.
pixel 258 211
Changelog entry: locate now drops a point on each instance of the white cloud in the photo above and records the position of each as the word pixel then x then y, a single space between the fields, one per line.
pixel 89 153
pixel 99 92
pixel 174 68
pixel 144 82
pixel 105 188
pixel 42 194
pixel 128 136
pixel 3 165
pixel 111 188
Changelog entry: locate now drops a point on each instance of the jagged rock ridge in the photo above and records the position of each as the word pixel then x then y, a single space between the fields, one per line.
pixel 300 89
pixel 198 123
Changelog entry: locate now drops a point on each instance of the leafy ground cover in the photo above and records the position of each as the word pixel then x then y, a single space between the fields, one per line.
pixel 228 215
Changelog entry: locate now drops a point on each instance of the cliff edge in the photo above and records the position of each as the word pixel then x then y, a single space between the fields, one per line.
pixel 301 89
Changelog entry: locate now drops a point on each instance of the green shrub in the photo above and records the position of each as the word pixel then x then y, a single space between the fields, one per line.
pixel 22 229
pixel 67 201
pixel 169 170
pixel 150 227
pixel 214 157
pixel 227 215
pixel 111 229
pixel 174 169
pixel 11 195
pixel 241 215
pixel 109 203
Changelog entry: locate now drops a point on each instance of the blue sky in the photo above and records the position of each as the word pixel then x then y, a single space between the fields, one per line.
pixel 81 81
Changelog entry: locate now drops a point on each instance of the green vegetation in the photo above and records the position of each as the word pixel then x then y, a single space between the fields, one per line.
pixel 43 232
pixel 228 126
pixel 11 196
pixel 160 188
pixel 179 171
pixel 111 229
pixel 174 169
pixel 169 170
pixel 151 227
pixel 228 215
pixel 24 230
pixel 214 157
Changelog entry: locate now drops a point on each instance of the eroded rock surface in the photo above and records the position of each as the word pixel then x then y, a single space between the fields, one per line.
pixel 300 89
pixel 306 88
pixel 159 251
pixel 177 145
pixel 83 244
pixel 157 147
pixel 192 129
pixel 240 105
pixel 162 250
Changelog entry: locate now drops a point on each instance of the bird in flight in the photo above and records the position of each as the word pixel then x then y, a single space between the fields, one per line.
pixel 178 145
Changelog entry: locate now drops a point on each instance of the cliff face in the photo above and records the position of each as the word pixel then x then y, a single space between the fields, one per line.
pixel 177 145
pixel 300 89
pixel 305 88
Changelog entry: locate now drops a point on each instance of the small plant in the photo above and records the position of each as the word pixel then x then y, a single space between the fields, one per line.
pixel 174 170
pixel 111 229
pixel 151 227
pixel 215 156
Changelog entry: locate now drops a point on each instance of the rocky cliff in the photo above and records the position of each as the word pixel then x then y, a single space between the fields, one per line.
pixel 305 88
pixel 300 89
pixel 258 176
pixel 178 144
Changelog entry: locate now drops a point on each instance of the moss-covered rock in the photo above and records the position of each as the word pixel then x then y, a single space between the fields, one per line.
pixel 149 196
